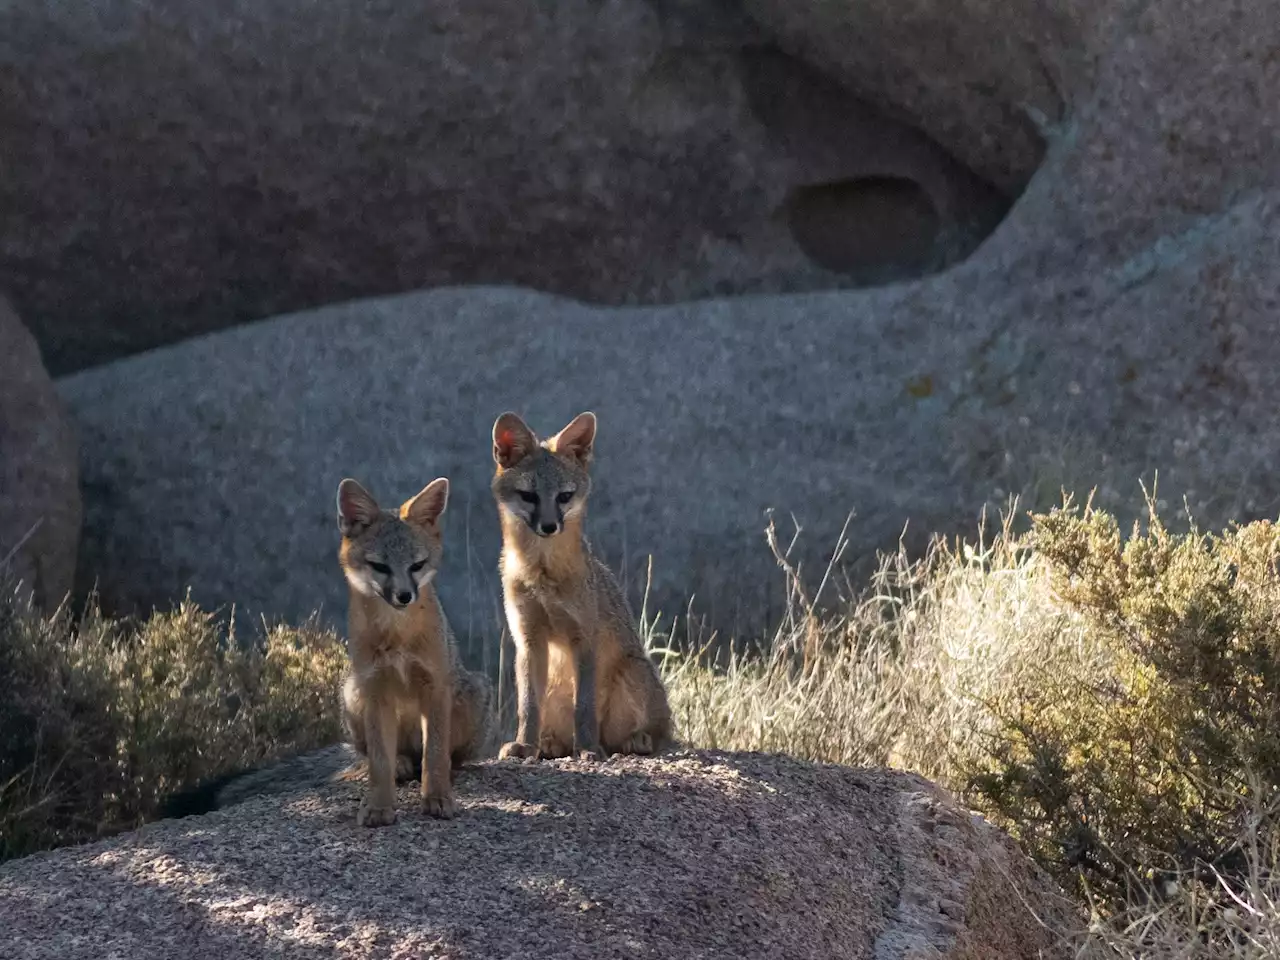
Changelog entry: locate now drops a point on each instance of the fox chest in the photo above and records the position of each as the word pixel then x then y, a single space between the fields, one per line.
pixel 391 664
pixel 406 650
pixel 400 670
pixel 554 616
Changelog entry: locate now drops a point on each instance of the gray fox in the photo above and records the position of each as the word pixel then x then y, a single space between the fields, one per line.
pixel 406 694
pixel 584 682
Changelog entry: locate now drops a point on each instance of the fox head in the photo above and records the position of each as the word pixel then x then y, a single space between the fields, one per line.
pixel 543 483
pixel 388 555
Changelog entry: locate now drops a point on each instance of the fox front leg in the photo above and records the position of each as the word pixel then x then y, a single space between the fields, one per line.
pixel 531 687
pixel 379 806
pixel 437 778
pixel 586 722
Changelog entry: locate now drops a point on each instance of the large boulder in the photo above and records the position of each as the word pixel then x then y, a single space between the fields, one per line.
pixel 709 855
pixel 39 479
pixel 214 463
pixel 1178 140
pixel 176 167
pixel 1120 321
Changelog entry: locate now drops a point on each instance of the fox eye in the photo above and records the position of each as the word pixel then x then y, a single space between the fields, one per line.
pixel 415 567
pixel 528 496
pixel 381 568
pixel 564 496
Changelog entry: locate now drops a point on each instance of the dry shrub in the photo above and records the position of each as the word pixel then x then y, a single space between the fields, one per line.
pixel 1112 701
pixel 101 719
pixel 1201 914
pixel 901 671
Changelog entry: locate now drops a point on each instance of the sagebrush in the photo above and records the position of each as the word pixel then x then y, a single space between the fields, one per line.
pixel 1146 770
pixel 100 719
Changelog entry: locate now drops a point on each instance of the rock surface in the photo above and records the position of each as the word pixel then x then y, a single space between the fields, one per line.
pixel 218 469
pixel 39 471
pixel 988 80
pixel 692 855
pixel 176 167
pixel 1119 322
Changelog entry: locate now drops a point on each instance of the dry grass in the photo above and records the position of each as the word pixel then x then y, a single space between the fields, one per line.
pixel 898 673
pixel 1106 699
pixel 1202 915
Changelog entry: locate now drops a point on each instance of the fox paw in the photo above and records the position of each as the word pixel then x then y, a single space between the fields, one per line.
pixel 442 808
pixel 638 743
pixel 515 750
pixel 553 748
pixel 368 816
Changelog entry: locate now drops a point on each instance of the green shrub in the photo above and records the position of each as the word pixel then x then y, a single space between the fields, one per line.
pixel 101 719
pixel 1146 768
pixel 1111 701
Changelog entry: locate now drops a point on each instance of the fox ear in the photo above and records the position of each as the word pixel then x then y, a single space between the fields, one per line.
pixel 512 440
pixel 425 509
pixel 577 440
pixel 356 509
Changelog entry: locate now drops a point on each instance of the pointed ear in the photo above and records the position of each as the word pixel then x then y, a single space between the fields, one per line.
pixel 425 509
pixel 356 509
pixel 512 440
pixel 577 440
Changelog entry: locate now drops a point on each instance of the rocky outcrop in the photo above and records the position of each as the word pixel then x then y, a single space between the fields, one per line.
pixel 1119 322
pixel 39 478
pixel 696 854
pixel 174 167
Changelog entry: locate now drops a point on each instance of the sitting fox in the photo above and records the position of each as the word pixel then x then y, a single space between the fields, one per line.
pixel 406 695
pixel 583 679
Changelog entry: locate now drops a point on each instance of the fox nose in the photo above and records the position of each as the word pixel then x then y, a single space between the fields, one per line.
pixel 404 597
